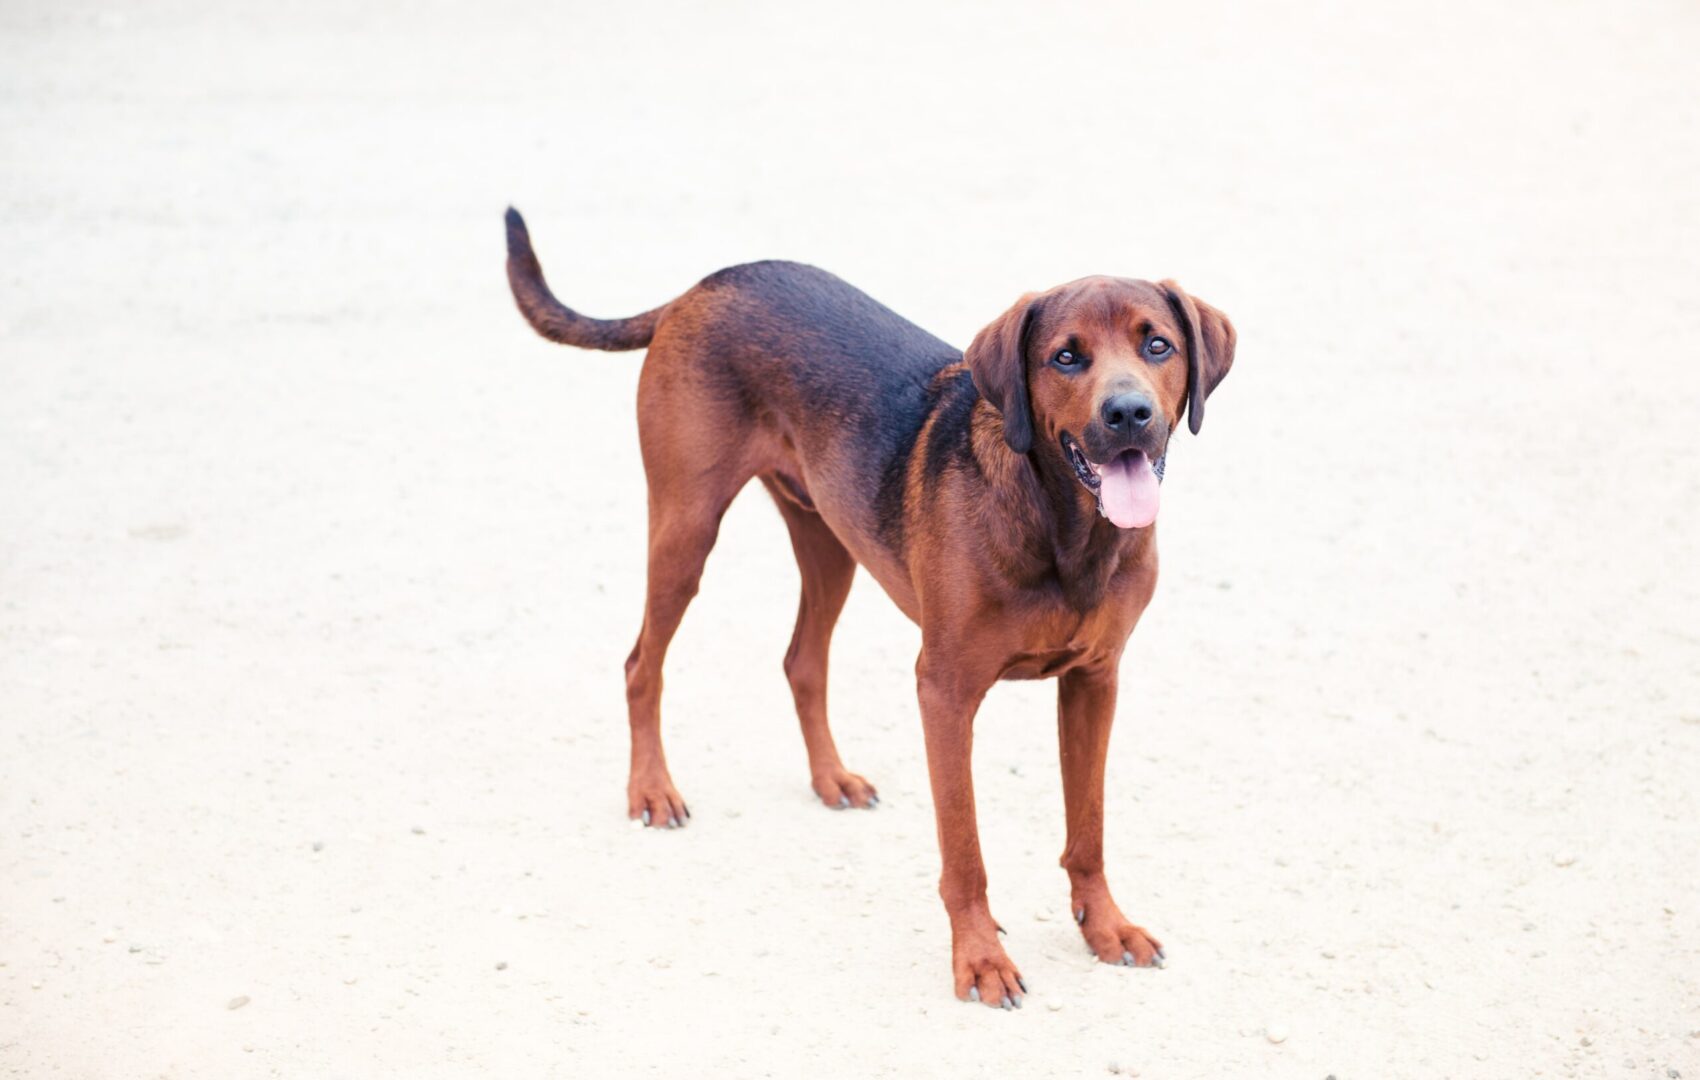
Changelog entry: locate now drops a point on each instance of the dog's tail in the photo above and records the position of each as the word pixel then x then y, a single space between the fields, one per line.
pixel 555 320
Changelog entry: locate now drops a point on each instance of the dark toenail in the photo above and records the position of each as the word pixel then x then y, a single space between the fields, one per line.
pixel 1080 916
pixel 672 822
pixel 844 802
pixel 1005 1005
pixel 1127 959
pixel 1156 961
pixel 1017 1000
pixel 646 817
pixel 1022 983
pixel 973 993
pixel 1161 955
pixel 873 801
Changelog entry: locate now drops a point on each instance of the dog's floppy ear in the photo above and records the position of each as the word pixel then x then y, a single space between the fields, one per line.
pixel 997 358
pixel 1209 349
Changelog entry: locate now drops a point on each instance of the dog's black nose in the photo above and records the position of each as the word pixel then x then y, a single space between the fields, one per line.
pixel 1127 413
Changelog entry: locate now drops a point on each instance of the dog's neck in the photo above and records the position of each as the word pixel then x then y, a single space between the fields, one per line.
pixel 1045 524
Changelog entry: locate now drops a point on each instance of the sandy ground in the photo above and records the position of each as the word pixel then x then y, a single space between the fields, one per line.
pixel 317 569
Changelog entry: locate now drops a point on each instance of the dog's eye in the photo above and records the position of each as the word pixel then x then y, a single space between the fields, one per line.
pixel 1065 359
pixel 1158 346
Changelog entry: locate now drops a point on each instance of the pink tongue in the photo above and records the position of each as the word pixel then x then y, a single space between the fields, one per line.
pixel 1128 491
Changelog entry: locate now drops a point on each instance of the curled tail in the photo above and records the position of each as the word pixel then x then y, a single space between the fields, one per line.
pixel 555 320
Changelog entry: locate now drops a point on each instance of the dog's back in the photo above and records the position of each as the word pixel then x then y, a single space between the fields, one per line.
pixel 824 386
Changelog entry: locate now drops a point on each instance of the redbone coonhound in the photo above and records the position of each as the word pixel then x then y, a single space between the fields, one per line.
pixel 1003 497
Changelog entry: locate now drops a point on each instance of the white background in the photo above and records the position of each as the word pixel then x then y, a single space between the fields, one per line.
pixel 306 539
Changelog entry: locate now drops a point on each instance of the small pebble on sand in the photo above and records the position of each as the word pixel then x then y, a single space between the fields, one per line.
pixel 237 1002
pixel 1564 858
pixel 318 845
pixel 1054 1006
pixel 1275 1033
pixel 501 965
pixel 418 830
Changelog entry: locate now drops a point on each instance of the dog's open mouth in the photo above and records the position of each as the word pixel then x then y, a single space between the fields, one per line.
pixel 1126 486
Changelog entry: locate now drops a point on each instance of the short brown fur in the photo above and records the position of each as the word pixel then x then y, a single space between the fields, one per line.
pixel 948 477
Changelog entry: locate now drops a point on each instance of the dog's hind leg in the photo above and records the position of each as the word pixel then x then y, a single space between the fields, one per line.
pixel 826 569
pixel 677 551
pixel 694 471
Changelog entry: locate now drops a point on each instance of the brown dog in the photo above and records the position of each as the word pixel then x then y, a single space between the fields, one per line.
pixel 1004 498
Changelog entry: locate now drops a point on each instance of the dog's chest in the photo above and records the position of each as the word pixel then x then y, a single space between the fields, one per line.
pixel 1052 637
pixel 1045 664
pixel 1052 646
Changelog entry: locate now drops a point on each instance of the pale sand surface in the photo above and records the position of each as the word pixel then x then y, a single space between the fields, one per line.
pixel 307 544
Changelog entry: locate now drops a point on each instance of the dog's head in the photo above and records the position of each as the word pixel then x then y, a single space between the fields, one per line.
pixel 1101 370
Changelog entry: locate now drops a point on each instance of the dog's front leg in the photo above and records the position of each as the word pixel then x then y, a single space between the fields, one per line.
pixel 950 695
pixel 1086 707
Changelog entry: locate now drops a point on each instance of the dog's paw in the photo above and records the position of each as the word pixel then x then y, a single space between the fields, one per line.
pixel 1114 940
pixel 984 973
pixel 656 802
pixel 841 789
